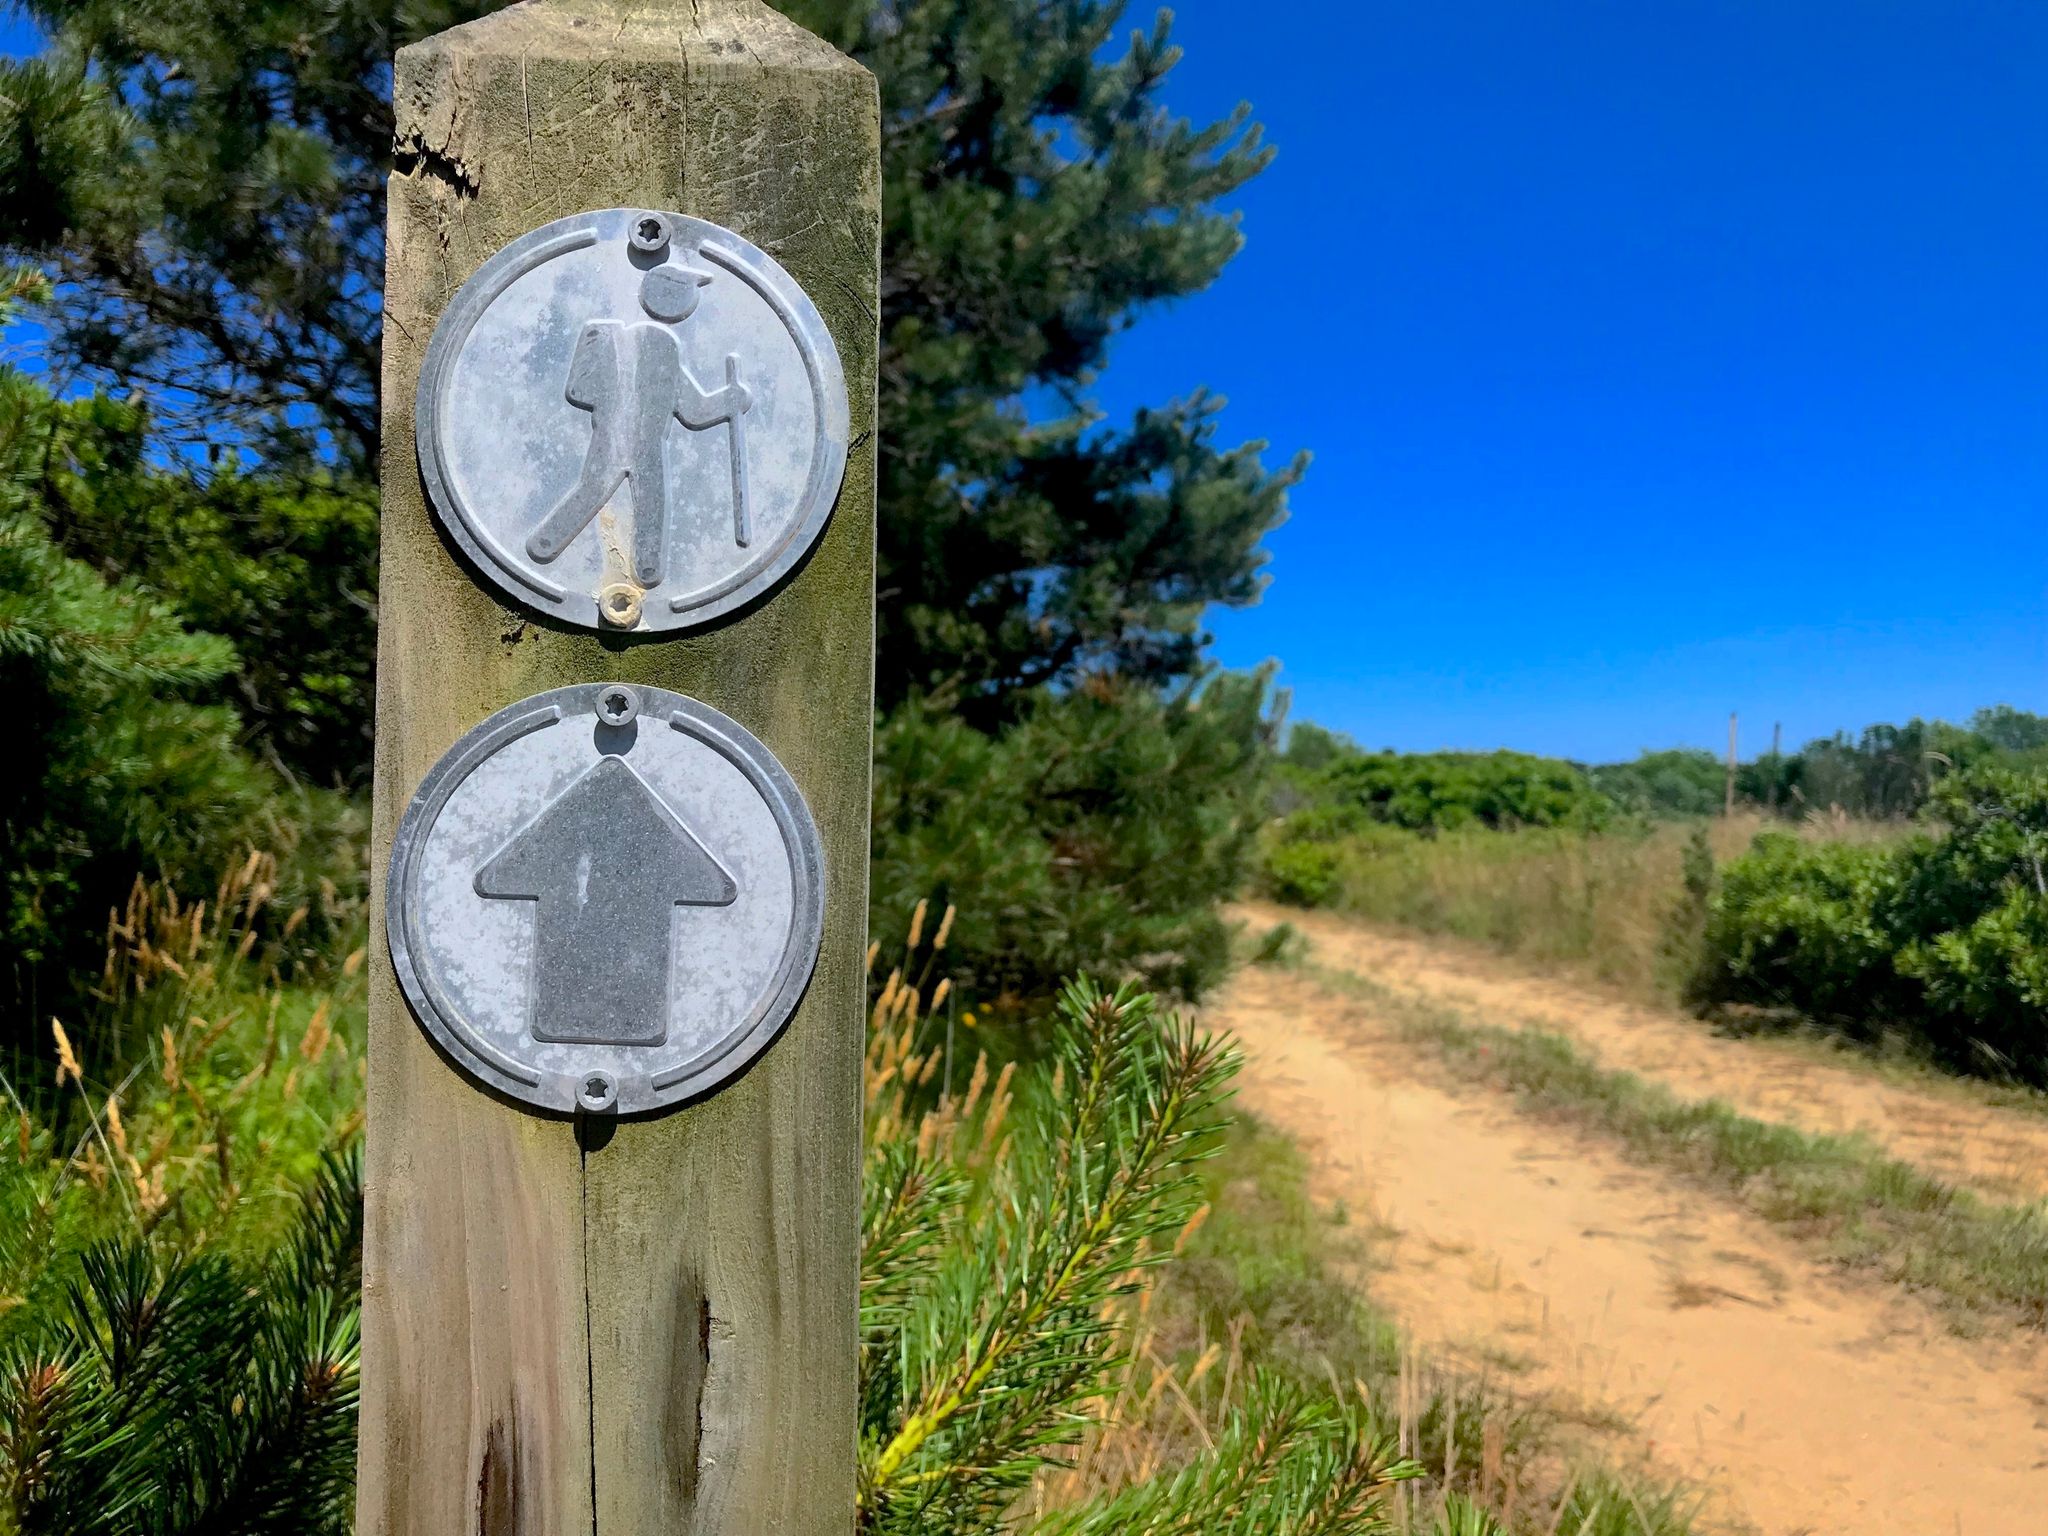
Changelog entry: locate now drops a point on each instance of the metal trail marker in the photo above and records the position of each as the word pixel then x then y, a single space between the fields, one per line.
pixel 601 957
pixel 605 898
pixel 572 451
pixel 627 1307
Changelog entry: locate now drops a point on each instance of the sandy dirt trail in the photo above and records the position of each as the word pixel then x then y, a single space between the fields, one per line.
pixel 1799 1399
pixel 2000 1152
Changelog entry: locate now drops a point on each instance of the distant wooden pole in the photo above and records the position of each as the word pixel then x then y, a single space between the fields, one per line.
pixel 1777 757
pixel 658 1335
pixel 1728 809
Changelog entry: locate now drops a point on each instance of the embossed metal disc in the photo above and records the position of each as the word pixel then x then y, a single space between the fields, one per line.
pixel 632 420
pixel 608 897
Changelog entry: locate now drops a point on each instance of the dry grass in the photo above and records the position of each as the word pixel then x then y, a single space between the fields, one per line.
pixel 1610 905
pixel 211 1073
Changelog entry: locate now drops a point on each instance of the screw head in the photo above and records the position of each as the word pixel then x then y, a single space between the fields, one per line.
pixel 617 704
pixel 649 234
pixel 597 1093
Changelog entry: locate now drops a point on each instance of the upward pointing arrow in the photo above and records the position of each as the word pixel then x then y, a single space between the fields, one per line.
pixel 608 862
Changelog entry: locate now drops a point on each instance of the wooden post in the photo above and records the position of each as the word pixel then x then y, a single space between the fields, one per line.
pixel 1777 745
pixel 1728 809
pixel 657 1334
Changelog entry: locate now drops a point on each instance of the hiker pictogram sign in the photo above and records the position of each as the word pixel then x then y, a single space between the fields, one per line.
pixel 632 420
pixel 607 897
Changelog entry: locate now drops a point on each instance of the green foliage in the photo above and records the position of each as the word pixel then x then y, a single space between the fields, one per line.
pixel 1340 803
pixel 1795 925
pixel 1972 912
pixel 205 178
pixel 1443 791
pixel 1098 832
pixel 1891 770
pixel 1885 771
pixel 285 564
pixel 1312 749
pixel 123 758
pixel 2011 730
pixel 187 1393
pixel 1290 1462
pixel 1302 872
pixel 180 1230
pixel 1017 550
pixel 1676 784
pixel 977 1352
pixel 1945 936
pixel 1301 856
pixel 1004 1238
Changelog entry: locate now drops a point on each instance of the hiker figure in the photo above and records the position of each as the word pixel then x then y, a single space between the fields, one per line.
pixel 631 378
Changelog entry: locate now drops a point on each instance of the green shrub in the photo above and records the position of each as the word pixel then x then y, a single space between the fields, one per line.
pixel 1971 915
pixel 123 756
pixel 286 565
pixel 180 1230
pixel 188 1392
pixel 1443 791
pixel 1991 980
pixel 1098 832
pixel 1943 935
pixel 1302 873
pixel 1683 783
pixel 1008 1240
pixel 1795 925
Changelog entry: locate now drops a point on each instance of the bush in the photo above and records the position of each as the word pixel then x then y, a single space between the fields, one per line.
pixel 1301 857
pixel 1443 791
pixel 1098 832
pixel 1795 925
pixel 1009 1238
pixel 1683 783
pixel 180 1232
pixel 1971 913
pixel 285 565
pixel 1945 935
pixel 122 757
pixel 1302 873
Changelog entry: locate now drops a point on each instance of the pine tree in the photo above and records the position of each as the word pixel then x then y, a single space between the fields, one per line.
pixel 125 757
pixel 180 1393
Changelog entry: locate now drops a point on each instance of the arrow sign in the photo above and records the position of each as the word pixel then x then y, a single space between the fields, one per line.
pixel 608 862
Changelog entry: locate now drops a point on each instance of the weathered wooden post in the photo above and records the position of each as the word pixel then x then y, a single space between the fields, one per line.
pixel 625 658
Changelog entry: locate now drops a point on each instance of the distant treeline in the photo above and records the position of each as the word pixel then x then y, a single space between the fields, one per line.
pixel 1885 772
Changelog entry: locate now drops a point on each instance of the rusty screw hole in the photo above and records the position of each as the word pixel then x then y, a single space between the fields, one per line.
pixel 619 605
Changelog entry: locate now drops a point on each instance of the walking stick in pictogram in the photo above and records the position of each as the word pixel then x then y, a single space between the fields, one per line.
pixel 736 423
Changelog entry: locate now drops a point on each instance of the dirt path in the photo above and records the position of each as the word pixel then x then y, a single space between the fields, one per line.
pixel 2002 1153
pixel 1802 1401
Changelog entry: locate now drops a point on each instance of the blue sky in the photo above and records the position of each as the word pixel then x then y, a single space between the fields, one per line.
pixel 1657 361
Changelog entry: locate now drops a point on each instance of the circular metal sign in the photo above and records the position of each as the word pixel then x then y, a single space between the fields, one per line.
pixel 608 898
pixel 632 420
